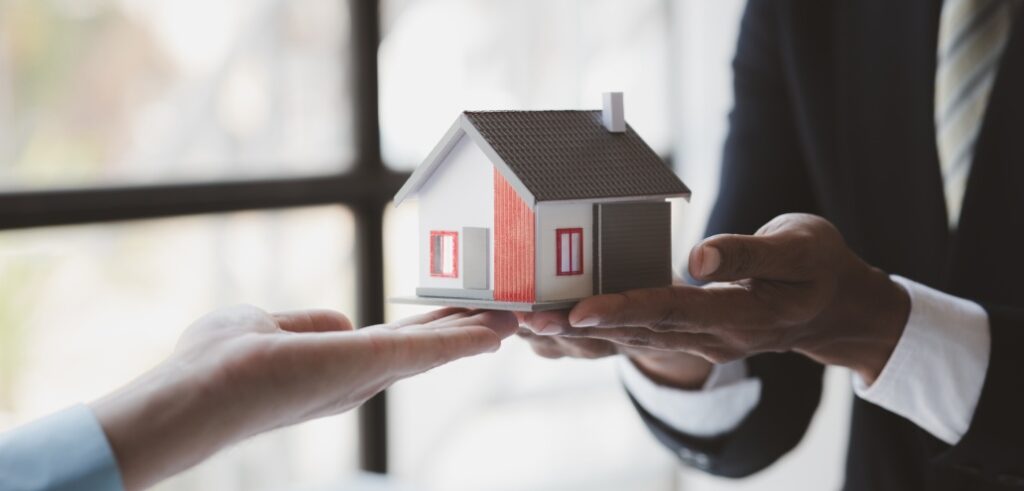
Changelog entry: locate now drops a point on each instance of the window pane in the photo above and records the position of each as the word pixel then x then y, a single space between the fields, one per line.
pixel 443 253
pixel 440 57
pixel 511 420
pixel 109 91
pixel 449 254
pixel 576 250
pixel 436 254
pixel 566 252
pixel 85 309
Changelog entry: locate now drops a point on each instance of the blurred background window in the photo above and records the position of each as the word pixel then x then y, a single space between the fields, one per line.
pixel 98 91
pixel 230 113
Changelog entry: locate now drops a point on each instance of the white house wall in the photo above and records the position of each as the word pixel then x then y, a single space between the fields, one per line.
pixel 553 216
pixel 459 194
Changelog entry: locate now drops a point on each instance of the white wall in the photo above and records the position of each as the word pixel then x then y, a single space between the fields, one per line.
pixel 552 216
pixel 459 194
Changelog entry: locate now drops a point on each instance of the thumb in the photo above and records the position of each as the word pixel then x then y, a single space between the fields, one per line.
pixel 731 257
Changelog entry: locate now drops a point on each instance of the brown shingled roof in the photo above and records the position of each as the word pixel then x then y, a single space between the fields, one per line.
pixel 565 155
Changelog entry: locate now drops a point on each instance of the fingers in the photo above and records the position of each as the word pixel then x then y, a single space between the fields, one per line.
pixel 586 348
pixel 459 334
pixel 312 321
pixel 416 349
pixel 675 308
pixel 559 347
pixel 545 346
pixel 427 318
pixel 503 323
pixel 631 339
pixel 386 354
pixel 639 337
pixel 419 343
pixel 547 322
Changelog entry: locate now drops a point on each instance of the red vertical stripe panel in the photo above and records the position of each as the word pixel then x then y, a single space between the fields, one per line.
pixel 514 240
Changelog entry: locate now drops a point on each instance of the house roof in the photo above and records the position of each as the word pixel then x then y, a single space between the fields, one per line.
pixel 558 156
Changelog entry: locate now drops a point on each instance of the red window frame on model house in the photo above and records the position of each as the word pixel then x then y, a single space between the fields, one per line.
pixel 438 252
pixel 572 261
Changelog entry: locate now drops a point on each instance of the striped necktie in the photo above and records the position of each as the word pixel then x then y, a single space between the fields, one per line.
pixel 972 35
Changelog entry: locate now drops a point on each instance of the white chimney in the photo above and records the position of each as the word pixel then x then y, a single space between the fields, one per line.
pixel 614 119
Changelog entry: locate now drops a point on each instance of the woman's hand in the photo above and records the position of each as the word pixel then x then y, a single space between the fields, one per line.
pixel 238 372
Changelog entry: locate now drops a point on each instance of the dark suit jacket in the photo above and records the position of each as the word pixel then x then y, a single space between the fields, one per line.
pixel 833 115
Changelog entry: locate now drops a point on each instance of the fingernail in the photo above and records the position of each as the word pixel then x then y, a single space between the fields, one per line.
pixel 587 322
pixel 549 328
pixel 711 259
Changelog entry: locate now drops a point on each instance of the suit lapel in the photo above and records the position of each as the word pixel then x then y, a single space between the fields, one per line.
pixel 886 136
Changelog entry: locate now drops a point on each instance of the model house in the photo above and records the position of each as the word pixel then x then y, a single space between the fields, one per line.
pixel 533 210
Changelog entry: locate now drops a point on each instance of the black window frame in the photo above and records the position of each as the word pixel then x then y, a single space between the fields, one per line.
pixel 366 190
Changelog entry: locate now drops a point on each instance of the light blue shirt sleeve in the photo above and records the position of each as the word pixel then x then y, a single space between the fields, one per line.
pixel 64 451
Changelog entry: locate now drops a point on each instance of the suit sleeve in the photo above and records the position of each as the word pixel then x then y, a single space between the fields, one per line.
pixel 763 175
pixel 994 442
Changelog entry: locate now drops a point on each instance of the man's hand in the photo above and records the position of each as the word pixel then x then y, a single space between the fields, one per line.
pixel 793 286
pixel 239 372
pixel 674 369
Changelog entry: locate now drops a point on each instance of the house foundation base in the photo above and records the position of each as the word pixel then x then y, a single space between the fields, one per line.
pixel 486 304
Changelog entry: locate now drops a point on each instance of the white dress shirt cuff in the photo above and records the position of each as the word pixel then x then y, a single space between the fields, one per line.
pixel 935 374
pixel 726 398
pixel 62 452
